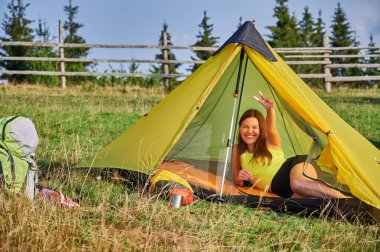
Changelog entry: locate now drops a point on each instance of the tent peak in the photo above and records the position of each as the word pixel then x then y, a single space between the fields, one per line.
pixel 248 35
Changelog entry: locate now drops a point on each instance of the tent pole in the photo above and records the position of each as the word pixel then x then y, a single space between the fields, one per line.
pixel 235 95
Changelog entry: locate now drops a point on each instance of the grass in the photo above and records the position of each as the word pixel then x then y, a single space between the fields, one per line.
pixel 359 108
pixel 75 123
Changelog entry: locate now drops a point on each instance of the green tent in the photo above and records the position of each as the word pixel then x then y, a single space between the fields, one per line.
pixel 192 130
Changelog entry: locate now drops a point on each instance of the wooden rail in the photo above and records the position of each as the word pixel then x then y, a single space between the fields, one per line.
pixel 94 74
pixel 335 56
pixel 72 45
pixel 326 54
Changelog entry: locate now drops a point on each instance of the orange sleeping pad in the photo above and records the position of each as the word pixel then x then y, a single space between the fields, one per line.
pixel 209 181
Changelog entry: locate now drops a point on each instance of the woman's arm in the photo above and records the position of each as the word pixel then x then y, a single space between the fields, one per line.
pixel 239 174
pixel 273 137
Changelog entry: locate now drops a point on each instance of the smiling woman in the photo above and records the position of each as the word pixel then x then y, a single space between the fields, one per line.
pixel 259 160
pixel 250 130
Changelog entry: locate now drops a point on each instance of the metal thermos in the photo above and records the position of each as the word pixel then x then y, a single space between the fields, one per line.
pixel 176 201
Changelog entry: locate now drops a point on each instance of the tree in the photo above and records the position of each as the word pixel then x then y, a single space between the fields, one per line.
pixel 205 39
pixel 355 71
pixel 134 68
pixel 240 22
pixel 172 67
pixel 316 40
pixel 16 28
pixel 341 37
pixel 372 60
pixel 104 81
pixel 318 31
pixel 72 27
pixel 284 33
pixel 42 31
pixel 306 30
pixel 43 34
pixel 306 27
pixel 341 32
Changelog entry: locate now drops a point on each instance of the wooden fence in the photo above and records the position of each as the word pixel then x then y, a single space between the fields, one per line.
pixel 325 54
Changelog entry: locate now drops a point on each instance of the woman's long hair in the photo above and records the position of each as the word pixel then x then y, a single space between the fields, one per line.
pixel 260 150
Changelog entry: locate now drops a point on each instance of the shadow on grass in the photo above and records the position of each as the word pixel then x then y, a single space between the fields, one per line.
pixel 55 170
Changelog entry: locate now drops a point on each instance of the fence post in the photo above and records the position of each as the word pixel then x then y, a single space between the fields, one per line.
pixel 62 56
pixel 326 44
pixel 165 65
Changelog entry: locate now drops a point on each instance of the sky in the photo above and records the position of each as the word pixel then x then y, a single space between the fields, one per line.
pixel 140 22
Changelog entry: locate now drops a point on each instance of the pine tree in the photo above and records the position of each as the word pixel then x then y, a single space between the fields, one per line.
pixel 240 22
pixel 293 27
pixel 134 68
pixel 341 32
pixel 16 28
pixel 43 35
pixel 355 71
pixel 205 39
pixel 284 34
pixel 372 60
pixel 72 27
pixel 341 37
pixel 306 30
pixel 104 81
pixel 306 26
pixel 316 40
pixel 158 69
pixel 318 31
pixel 42 31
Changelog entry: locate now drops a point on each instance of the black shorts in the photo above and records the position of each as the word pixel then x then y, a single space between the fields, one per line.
pixel 281 181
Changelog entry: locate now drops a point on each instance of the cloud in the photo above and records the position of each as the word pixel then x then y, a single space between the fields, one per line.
pixel 365 19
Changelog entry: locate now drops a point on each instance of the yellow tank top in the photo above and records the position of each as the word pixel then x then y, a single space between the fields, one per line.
pixel 262 172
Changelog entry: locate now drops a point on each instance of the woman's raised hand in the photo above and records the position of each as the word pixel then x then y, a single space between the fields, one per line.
pixel 266 102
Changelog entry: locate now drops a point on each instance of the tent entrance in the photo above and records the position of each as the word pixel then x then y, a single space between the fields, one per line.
pixel 203 143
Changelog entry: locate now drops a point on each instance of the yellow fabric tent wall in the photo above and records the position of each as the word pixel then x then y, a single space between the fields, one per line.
pixel 143 146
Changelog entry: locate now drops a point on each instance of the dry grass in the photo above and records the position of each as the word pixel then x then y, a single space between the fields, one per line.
pixel 156 226
pixel 74 123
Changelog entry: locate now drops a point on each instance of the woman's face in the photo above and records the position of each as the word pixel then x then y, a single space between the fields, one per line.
pixel 250 131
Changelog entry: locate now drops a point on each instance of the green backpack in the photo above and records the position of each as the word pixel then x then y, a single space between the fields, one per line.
pixel 18 142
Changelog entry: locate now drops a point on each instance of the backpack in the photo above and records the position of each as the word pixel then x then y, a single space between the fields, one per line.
pixel 18 168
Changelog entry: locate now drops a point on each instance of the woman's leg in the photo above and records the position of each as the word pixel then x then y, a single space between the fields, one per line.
pixel 303 186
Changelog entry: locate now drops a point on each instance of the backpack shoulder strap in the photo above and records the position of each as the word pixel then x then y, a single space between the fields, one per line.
pixel 4 126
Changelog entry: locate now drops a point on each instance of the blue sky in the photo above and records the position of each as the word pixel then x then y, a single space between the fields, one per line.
pixel 140 21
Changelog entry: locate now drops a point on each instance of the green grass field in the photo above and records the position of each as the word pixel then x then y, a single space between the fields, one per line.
pixel 75 123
